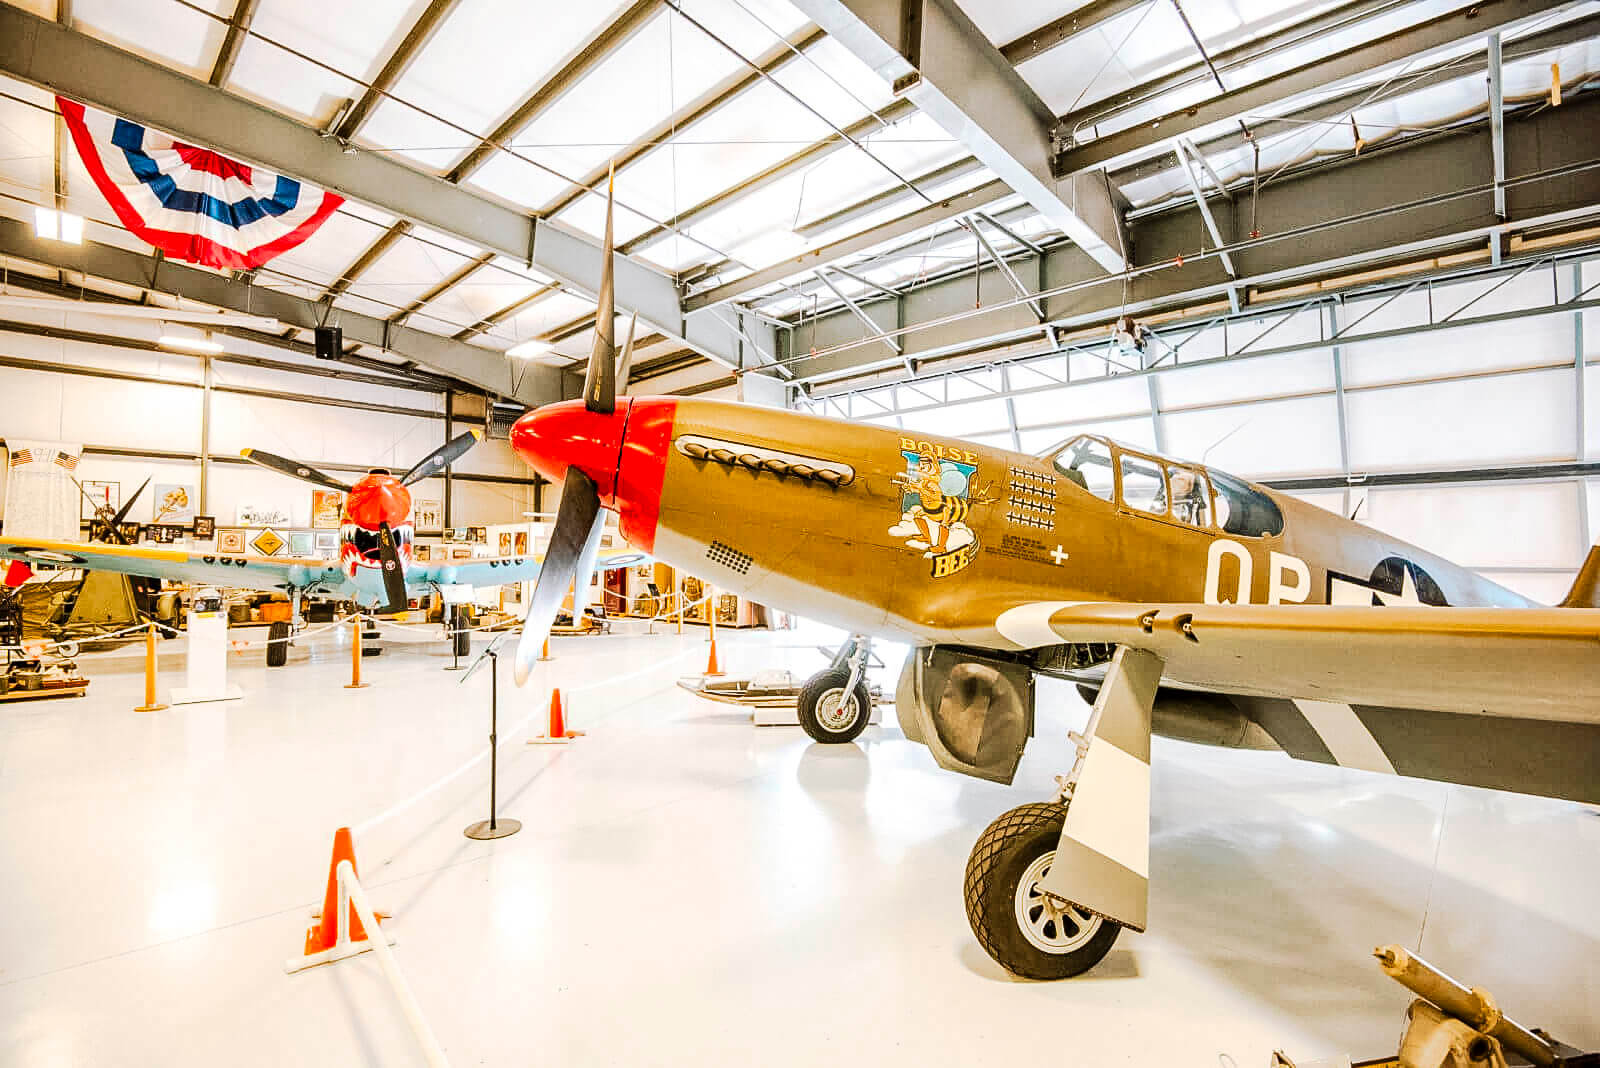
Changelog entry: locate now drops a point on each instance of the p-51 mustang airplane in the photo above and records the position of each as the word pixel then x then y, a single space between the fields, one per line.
pixel 1187 602
pixel 376 568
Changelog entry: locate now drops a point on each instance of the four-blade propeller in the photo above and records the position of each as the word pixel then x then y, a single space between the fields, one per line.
pixel 575 541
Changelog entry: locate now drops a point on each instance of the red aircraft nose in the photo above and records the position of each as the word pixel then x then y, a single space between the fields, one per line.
pixel 378 499
pixel 624 452
pixel 558 436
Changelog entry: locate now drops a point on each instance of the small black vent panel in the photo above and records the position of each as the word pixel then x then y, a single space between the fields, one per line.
pixel 729 557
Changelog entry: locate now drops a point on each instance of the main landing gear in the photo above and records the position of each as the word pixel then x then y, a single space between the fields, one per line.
pixel 280 635
pixel 835 704
pixel 1050 885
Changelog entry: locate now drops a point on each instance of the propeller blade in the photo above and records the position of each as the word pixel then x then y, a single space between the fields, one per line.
pixel 625 361
pixel 394 572
pixel 583 574
pixel 294 469
pixel 600 381
pixel 442 457
pixel 579 516
pixel 127 505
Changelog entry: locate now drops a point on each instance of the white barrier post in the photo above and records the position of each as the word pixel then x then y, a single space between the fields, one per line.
pixel 350 886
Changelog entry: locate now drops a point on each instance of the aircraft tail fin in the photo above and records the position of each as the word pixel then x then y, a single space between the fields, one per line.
pixel 1585 592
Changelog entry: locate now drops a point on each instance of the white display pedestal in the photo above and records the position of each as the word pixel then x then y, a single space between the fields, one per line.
pixel 208 661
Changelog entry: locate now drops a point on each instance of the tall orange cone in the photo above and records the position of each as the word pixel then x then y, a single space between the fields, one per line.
pixel 711 661
pixel 557 730
pixel 338 932
pixel 544 654
pixel 324 934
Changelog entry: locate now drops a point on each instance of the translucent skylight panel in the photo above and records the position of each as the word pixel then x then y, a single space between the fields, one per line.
pixel 751 27
pixel 658 71
pixel 354 38
pixel 513 267
pixel 403 131
pixel 758 129
pixel 287 83
pixel 173 36
pixel 832 80
pixel 382 307
pixel 489 55
pixel 405 272
pixel 1006 20
pixel 27 147
pixel 432 324
pixel 545 315
pixel 521 181
pixel 324 256
pixel 486 293
pixel 1117 54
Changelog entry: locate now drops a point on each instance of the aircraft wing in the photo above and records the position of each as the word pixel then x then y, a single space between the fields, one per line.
pixel 1526 662
pixel 496 570
pixel 249 572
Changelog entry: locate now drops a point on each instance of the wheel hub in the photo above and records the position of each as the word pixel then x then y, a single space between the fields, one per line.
pixel 834 712
pixel 1050 924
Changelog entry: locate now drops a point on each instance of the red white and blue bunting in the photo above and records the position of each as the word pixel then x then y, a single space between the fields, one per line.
pixel 192 203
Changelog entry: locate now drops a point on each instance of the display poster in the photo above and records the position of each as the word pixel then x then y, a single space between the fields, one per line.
pixel 327 507
pixel 261 515
pixel 98 495
pixel 426 514
pixel 173 504
pixel 42 501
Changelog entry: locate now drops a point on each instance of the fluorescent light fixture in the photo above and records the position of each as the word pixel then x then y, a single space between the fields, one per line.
pixel 186 341
pixel 58 226
pixel 134 311
pixel 528 350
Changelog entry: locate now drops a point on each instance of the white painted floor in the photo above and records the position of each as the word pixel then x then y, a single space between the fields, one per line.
pixel 689 889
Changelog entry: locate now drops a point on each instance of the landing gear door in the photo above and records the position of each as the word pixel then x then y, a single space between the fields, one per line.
pixel 973 711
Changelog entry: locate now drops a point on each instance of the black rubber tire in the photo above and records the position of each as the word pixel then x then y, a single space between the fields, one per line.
pixel 994 868
pixel 277 644
pixel 811 693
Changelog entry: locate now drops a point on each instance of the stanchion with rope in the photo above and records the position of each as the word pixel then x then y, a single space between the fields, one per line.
pixel 493 827
pixel 150 702
pixel 355 682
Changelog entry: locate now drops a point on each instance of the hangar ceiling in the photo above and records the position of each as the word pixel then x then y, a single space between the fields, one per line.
pixel 789 173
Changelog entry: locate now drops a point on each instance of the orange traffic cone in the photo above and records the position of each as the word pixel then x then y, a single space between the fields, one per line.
pixel 711 661
pixel 556 731
pixel 338 933
pixel 544 654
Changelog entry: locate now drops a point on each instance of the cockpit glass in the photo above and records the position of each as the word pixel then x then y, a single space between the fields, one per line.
pixel 1087 461
pixel 1191 500
pixel 1243 509
pixel 1144 487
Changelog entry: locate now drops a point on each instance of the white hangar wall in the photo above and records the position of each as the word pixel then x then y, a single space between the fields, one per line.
pixel 1515 392
pixel 155 428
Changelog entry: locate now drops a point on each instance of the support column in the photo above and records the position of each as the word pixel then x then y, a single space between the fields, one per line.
pixel 449 431
pixel 1338 400
pixel 205 440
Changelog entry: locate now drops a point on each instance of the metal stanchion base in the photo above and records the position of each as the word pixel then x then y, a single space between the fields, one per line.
pixel 151 708
pixel 357 685
pixel 502 828
pixel 456 667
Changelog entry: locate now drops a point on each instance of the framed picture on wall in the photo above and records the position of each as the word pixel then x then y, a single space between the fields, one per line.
pixel 129 532
pixel 421 552
pixel 326 508
pixel 520 543
pixel 98 495
pixel 302 543
pixel 230 540
pixel 478 534
pixel 261 515
pixel 505 543
pixel 173 504
pixel 328 542
pixel 461 552
pixel 426 514
pixel 205 527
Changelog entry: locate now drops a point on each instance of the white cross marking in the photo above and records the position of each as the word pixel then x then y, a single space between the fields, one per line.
pixel 1058 555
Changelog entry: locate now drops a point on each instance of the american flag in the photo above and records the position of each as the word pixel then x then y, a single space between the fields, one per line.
pixel 21 456
pixel 66 460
